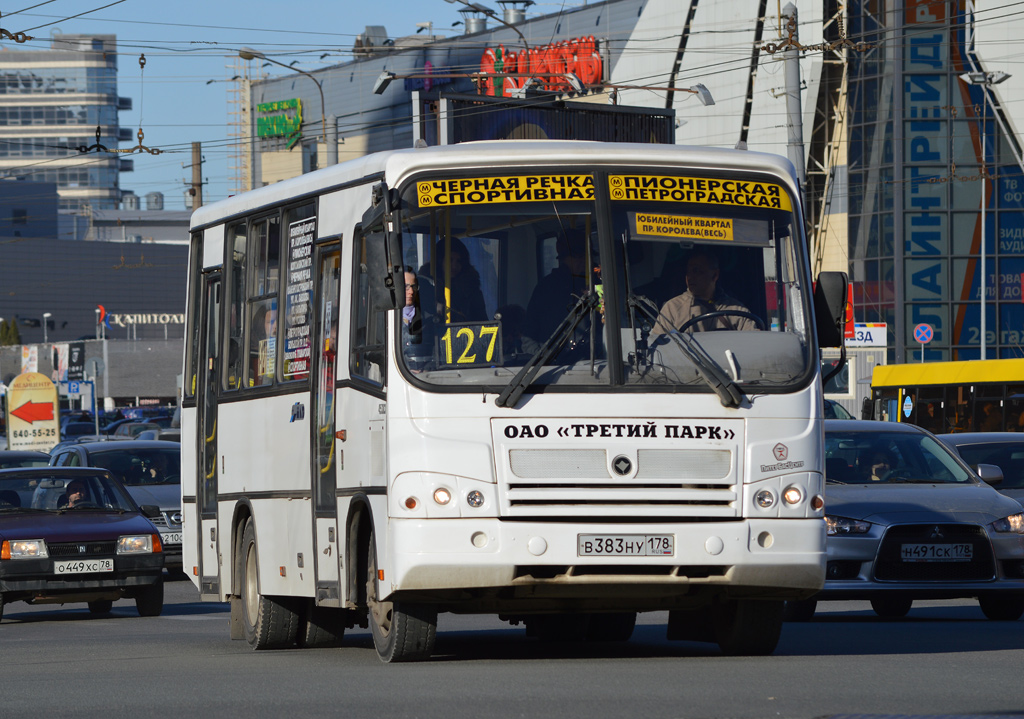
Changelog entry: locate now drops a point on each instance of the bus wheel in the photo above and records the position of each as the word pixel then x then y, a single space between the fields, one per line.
pixel 614 627
pixel 800 610
pixel 402 632
pixel 748 627
pixel 1002 609
pixel 322 626
pixel 891 607
pixel 268 622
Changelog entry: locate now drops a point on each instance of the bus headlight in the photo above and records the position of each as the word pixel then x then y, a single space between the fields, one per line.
pixel 765 499
pixel 442 496
pixel 792 495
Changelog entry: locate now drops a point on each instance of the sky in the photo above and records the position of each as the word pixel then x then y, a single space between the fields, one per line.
pixel 189 43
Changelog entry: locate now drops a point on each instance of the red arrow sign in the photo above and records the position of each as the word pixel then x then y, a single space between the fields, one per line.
pixel 34 411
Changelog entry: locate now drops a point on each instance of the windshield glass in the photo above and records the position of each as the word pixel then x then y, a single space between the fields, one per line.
pixel 506 272
pixel 141 466
pixel 889 458
pixel 56 491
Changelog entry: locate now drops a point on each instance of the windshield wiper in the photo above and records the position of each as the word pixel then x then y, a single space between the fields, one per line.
pixel 524 378
pixel 709 370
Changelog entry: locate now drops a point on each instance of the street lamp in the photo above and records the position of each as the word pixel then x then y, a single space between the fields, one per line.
pixel 247 53
pixel 702 93
pixel 986 80
pixel 46 321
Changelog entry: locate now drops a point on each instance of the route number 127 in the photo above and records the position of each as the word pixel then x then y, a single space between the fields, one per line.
pixel 471 344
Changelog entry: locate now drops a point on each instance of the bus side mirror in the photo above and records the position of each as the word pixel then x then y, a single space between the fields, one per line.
pixel 383 247
pixel 830 308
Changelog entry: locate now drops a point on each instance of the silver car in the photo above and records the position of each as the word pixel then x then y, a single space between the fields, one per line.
pixel 1003 449
pixel 907 519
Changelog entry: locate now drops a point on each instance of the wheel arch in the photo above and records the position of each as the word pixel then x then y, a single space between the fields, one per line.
pixel 242 513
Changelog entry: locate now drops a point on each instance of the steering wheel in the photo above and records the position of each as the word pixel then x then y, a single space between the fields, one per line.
pixel 722 313
pixel 85 505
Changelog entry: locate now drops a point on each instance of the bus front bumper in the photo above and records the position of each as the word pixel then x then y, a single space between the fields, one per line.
pixel 770 558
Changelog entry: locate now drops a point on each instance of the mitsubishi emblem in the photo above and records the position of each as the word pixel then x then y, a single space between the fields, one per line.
pixel 937 533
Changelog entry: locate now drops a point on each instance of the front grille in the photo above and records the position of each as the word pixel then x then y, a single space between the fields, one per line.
pixel 889 566
pixel 699 482
pixel 159 522
pixel 82 549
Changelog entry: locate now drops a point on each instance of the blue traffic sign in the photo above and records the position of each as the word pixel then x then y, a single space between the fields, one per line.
pixel 924 333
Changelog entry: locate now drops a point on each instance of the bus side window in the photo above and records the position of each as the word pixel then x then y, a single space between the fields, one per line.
pixel 236 246
pixel 368 324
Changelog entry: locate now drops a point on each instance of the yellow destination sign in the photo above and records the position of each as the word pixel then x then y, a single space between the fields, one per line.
pixel 522 188
pixel 705 190
pixel 681 227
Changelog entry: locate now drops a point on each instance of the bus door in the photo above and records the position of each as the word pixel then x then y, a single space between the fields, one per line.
pixel 325 503
pixel 206 456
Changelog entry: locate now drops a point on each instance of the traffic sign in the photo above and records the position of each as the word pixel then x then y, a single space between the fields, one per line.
pixel 924 333
pixel 33 414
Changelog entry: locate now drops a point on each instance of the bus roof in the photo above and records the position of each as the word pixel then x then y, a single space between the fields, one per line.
pixel 397 164
pixel 943 373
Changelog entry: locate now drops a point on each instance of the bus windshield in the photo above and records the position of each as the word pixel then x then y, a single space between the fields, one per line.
pixel 507 272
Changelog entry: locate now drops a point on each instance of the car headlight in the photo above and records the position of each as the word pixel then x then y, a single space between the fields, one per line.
pixel 1014 523
pixel 24 549
pixel 138 544
pixel 844 525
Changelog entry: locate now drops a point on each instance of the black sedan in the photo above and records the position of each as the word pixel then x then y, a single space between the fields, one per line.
pixel 907 519
pixel 151 472
pixel 75 535
pixel 1003 449
pixel 11 458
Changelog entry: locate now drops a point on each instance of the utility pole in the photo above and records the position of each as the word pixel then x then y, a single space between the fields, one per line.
pixel 197 175
pixel 794 109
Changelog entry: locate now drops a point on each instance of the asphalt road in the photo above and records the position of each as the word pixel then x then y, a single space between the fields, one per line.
pixel 944 659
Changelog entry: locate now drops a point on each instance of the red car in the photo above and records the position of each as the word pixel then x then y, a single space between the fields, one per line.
pixel 72 534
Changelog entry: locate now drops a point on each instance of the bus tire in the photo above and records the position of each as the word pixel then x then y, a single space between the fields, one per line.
pixel 748 627
pixel 891 607
pixel 268 622
pixel 613 627
pixel 402 632
pixel 150 600
pixel 322 627
pixel 801 610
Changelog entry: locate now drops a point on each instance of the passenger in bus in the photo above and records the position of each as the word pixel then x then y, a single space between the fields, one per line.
pixel 462 300
pixel 263 345
pixel 701 297
pixel 559 290
pixel 416 343
pixel 991 419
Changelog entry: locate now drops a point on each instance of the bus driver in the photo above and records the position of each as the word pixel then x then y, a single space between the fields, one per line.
pixel 701 297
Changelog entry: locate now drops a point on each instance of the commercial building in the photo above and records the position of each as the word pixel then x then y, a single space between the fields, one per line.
pixel 53 102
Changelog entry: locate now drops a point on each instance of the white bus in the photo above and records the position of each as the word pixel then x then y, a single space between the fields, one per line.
pixel 432 380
